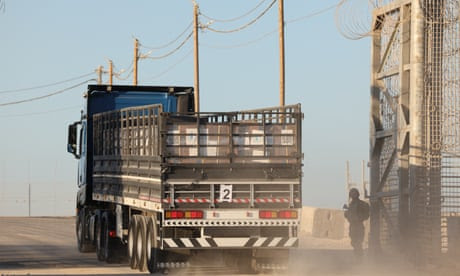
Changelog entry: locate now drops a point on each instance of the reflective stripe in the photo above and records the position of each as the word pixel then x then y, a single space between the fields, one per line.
pixel 169 242
pixel 187 242
pixel 274 242
pixel 231 242
pixel 259 242
pixel 203 242
pixel 149 179
pixel 290 242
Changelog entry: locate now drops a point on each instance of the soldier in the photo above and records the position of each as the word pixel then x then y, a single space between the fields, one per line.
pixel 356 213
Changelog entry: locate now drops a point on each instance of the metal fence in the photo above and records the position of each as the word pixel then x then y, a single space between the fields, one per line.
pixel 415 130
pixel 181 159
pixel 128 131
pixel 441 196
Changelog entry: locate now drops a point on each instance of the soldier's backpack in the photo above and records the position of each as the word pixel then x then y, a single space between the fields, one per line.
pixel 363 208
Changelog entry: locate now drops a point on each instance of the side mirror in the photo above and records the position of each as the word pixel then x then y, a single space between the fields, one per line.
pixel 72 139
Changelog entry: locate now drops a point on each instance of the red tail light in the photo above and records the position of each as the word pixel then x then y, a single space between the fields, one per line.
pixel 188 214
pixel 112 234
pixel 174 214
pixel 268 214
pixel 193 214
pixel 283 214
pixel 287 214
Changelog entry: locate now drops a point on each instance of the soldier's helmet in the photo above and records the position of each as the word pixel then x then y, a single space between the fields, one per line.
pixel 353 193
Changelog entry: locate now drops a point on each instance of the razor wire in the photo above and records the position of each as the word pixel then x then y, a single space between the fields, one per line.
pixel 353 18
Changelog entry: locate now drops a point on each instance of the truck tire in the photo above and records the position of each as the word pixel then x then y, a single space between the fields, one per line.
pixel 246 262
pixel 99 235
pixel 84 245
pixel 131 248
pixel 153 251
pixel 141 244
pixel 111 245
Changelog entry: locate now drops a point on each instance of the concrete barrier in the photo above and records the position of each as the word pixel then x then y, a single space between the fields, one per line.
pixel 323 223
pixel 319 225
pixel 328 223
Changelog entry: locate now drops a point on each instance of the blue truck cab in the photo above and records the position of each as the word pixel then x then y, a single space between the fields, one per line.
pixel 103 98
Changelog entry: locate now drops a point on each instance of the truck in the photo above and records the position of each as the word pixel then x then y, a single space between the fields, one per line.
pixel 159 183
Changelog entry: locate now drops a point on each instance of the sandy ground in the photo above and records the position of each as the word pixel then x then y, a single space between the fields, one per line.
pixel 46 246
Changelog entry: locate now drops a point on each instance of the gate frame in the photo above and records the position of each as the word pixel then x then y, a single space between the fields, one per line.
pixel 407 131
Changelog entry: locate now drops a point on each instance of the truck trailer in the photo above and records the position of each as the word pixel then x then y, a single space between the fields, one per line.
pixel 159 182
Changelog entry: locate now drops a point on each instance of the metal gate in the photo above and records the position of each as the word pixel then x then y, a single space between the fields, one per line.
pixel 415 129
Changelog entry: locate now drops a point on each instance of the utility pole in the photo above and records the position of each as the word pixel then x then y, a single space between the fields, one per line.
pixel 99 71
pixel 3 181
pixel 110 72
pixel 136 60
pixel 363 179
pixel 28 182
pixel 197 69
pixel 348 183
pixel 29 199
pixel 281 35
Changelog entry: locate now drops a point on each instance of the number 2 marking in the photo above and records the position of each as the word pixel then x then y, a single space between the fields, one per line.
pixel 226 194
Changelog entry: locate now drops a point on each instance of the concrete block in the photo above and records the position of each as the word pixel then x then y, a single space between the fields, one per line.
pixel 328 223
pixel 326 228
pixel 307 217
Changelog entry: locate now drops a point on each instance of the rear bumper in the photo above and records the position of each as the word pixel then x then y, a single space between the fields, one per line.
pixel 230 222
pixel 230 243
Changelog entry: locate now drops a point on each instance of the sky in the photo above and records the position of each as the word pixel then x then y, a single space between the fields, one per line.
pixel 44 42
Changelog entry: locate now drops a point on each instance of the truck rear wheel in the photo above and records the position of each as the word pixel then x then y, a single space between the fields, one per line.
pixel 246 262
pixel 100 240
pixel 141 244
pixel 132 240
pixel 111 245
pixel 152 245
pixel 84 245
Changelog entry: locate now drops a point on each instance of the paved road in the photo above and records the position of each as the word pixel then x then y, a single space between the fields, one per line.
pixel 46 246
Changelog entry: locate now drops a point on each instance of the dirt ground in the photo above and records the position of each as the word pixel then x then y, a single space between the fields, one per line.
pixel 46 246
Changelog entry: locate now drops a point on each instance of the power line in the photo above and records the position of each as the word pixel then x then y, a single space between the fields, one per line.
pixel 45 85
pixel 245 25
pixel 169 53
pixel 308 16
pixel 235 18
pixel 172 66
pixel 122 71
pixel 118 75
pixel 47 95
pixel 169 43
pixel 129 70
pixel 40 113
pixel 243 44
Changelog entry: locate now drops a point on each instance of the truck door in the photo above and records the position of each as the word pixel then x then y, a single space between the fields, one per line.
pixel 83 155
